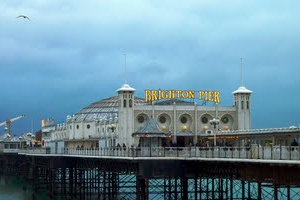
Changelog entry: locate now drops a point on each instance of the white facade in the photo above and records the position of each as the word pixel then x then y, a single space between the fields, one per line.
pixel 113 120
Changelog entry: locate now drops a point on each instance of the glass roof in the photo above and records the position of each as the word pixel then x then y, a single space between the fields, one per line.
pixel 103 110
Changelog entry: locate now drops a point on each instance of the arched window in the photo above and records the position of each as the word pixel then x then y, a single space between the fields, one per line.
pixel 124 103
pixel 183 119
pixel 141 119
pixel 204 120
pixel 162 119
pixel 130 103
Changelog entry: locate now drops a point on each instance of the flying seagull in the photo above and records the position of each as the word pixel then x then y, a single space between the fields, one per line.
pixel 23 16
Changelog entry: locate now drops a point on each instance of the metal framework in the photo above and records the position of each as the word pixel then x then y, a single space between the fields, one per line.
pixel 146 179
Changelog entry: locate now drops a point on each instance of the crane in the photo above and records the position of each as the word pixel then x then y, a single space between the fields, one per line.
pixel 8 123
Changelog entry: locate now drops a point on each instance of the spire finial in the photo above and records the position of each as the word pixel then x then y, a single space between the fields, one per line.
pixel 241 71
pixel 125 68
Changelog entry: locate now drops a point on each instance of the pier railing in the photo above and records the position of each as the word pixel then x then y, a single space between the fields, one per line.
pixel 253 152
pixel 262 131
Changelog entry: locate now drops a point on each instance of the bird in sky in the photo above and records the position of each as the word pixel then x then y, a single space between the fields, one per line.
pixel 23 16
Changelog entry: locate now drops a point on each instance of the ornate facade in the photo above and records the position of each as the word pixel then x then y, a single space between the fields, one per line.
pixel 112 121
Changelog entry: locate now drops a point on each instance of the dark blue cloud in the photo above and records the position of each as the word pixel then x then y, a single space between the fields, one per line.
pixel 71 54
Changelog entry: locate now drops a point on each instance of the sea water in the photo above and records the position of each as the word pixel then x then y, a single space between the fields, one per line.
pixel 11 189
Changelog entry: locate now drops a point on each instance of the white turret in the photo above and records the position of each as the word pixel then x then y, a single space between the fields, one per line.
pixel 125 114
pixel 242 102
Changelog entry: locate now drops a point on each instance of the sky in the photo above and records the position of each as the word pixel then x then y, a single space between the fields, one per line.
pixel 71 54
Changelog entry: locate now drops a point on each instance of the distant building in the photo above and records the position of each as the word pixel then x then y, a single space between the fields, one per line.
pixel 10 144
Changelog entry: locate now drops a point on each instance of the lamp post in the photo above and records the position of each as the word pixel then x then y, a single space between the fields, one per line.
pixel 215 122
pixel 113 135
pixel 112 128
pixel 20 138
pixel 110 135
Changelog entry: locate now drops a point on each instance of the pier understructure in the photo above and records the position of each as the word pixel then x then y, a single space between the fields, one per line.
pixel 83 177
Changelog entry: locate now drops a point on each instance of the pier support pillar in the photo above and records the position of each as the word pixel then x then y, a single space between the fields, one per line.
pixel 34 183
pixel 259 190
pixel 184 188
pixel 196 187
pixel 142 188
pixel 71 182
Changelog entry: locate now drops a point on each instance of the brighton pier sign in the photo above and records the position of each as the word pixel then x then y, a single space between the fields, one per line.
pixel 206 95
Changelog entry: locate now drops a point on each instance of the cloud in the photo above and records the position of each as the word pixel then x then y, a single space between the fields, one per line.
pixel 71 53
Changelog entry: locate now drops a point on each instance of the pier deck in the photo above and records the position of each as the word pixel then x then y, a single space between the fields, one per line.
pixel 156 173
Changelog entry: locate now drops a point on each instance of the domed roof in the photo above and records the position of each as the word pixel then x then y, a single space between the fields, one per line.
pixel 126 87
pixel 105 109
pixel 242 89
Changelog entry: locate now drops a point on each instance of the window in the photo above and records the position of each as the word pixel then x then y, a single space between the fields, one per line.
pixel 70 126
pixel 204 120
pixel 225 120
pixel 88 126
pixel 242 104
pixel 141 119
pixel 162 119
pixel 130 103
pixel 247 104
pixel 183 119
pixel 77 126
pixel 124 103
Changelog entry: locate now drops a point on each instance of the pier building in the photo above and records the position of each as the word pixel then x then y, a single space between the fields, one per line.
pixel 120 119
pixel 75 168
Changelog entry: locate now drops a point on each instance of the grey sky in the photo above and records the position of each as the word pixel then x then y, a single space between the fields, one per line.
pixel 70 54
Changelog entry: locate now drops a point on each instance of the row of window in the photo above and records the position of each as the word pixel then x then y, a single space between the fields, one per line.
pixel 129 95
pixel 77 126
pixel 125 103
pixel 183 119
pixel 162 120
pixel 242 104
pixel 242 98
pixel 89 126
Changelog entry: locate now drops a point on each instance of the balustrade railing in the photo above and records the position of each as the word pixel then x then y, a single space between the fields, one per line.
pixel 266 130
pixel 253 152
pixel 33 151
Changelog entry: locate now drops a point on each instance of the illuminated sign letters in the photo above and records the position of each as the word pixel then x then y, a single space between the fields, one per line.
pixel 206 95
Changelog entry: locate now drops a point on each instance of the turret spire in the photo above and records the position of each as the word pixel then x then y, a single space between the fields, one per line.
pixel 241 71
pixel 125 68
pixel 242 88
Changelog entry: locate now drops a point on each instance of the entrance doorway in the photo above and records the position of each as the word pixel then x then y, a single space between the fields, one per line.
pixel 184 141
